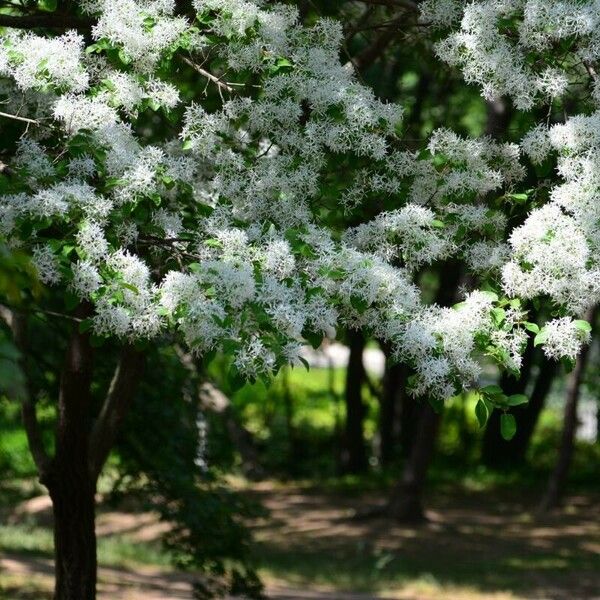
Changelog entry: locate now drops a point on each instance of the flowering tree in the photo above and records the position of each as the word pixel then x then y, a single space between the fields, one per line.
pixel 226 227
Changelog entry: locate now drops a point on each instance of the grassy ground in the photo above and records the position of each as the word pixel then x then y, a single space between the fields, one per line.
pixel 480 543
pixel 476 546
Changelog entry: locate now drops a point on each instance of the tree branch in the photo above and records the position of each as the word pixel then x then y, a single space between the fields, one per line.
pixel 18 325
pixel 220 84
pixel 371 53
pixel 116 404
pixel 18 118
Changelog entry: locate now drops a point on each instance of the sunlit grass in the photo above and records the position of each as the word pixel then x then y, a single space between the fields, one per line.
pixel 114 550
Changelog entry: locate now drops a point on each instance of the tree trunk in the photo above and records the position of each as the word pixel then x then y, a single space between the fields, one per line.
pixel 74 536
pixel 558 478
pixel 214 400
pixel 513 452
pixel 406 502
pixel 71 483
pixel 407 423
pixel 499 115
pixel 496 452
pixel 354 455
pixel 394 381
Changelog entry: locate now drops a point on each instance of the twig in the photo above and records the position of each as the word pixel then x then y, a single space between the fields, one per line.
pixel 221 84
pixel 17 118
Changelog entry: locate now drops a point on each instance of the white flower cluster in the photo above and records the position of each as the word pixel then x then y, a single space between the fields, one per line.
pixel 509 47
pixel 143 30
pixel 441 343
pixel 231 232
pixel 555 251
pixel 408 234
pixel 34 62
pixel 564 338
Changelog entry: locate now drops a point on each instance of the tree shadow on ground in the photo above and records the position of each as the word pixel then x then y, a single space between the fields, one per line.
pixel 481 541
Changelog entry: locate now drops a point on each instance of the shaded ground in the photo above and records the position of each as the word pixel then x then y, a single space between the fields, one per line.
pixel 474 546
pixel 312 547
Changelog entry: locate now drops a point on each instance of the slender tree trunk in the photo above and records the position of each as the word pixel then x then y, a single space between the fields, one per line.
pixel 214 400
pixel 355 455
pixel 393 387
pixel 407 422
pixel 499 115
pixel 71 483
pixel 514 451
pixel 496 452
pixel 406 502
pixel 558 478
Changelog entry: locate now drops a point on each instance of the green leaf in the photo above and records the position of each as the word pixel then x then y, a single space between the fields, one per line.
pixel 518 197
pixel 304 362
pixel 583 325
pixel 533 327
pixel 517 399
pixel 85 325
pixel 123 56
pixel 359 304
pixel 491 295
pixel 492 390
pixel 130 287
pixel 541 337
pixel 314 339
pixel 481 412
pixel 438 224
pixel 236 381
pixel 508 426
pixel 499 315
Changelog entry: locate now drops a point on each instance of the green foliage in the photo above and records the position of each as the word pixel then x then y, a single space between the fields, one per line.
pixel 208 534
pixel 508 426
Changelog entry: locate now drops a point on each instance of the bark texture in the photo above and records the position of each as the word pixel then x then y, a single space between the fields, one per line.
pixel 71 484
pixel 354 458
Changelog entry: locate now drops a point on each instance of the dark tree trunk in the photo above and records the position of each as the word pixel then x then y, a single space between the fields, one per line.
pixel 408 420
pixel 498 453
pixel 393 387
pixel 71 483
pixel 354 454
pixel 74 537
pixel 558 478
pixel 499 115
pixel 406 502
pixel 495 450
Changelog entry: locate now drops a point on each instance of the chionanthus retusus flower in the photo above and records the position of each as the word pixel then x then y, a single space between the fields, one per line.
pixel 229 233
